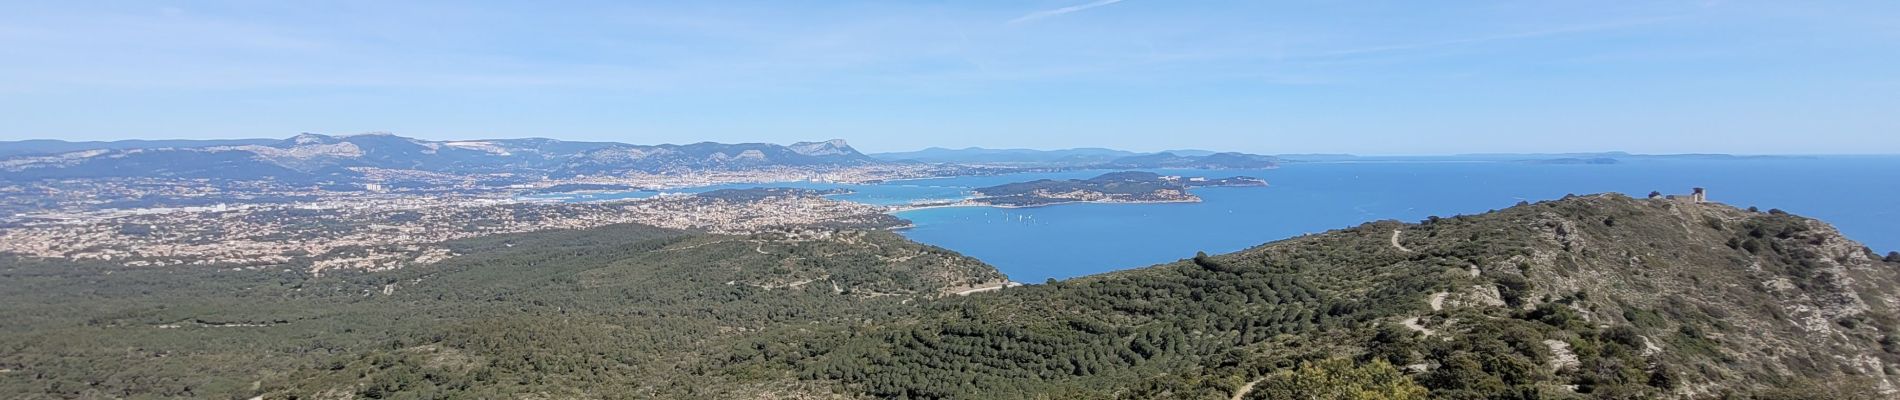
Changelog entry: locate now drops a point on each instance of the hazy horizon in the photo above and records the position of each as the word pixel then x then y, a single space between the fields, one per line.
pixel 854 145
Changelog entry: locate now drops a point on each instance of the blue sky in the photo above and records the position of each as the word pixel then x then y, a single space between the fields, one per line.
pixel 1369 77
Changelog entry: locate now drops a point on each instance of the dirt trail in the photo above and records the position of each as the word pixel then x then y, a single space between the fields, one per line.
pixel 1561 356
pixel 693 246
pixel 1413 324
pixel 1395 242
pixel 986 288
pixel 1245 389
pixel 1437 301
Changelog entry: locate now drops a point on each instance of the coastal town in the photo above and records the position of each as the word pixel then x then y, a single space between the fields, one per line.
pixel 384 218
pixel 376 232
pixel 67 197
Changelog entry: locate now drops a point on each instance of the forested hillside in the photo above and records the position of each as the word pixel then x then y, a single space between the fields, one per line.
pixel 1587 297
pixel 620 312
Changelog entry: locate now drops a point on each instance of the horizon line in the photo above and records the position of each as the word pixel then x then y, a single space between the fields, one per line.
pixel 1081 147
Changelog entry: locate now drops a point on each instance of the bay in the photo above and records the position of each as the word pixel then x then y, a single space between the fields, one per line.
pixel 1858 194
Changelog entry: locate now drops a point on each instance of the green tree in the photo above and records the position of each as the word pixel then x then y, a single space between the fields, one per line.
pixel 1340 379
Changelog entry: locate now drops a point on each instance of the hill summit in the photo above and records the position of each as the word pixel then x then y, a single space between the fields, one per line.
pixel 1601 296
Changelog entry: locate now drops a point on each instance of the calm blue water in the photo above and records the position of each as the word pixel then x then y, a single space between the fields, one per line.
pixel 1857 194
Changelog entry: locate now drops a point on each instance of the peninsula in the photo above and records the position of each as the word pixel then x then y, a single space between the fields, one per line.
pixel 1114 187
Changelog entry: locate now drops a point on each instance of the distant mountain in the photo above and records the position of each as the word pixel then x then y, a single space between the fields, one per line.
pixel 42 146
pixel 620 158
pixel 978 155
pixel 323 157
pixel 1190 152
pixel 1211 161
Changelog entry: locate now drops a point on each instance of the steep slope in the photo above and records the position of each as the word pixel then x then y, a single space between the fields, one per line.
pixel 50 146
pixel 209 163
pixel 1729 298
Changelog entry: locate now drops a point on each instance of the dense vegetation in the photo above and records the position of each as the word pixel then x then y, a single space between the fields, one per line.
pixel 623 311
pixel 1602 296
pixel 1587 297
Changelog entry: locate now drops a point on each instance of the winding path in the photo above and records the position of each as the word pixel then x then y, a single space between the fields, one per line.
pixel 986 288
pixel 1245 389
pixel 1412 323
pixel 693 246
pixel 1395 242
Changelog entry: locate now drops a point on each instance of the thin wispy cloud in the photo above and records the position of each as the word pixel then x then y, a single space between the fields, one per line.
pixel 1060 11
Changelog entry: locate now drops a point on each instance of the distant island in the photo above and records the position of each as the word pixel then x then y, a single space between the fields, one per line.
pixel 1208 161
pixel 1091 158
pixel 1114 187
pixel 1574 161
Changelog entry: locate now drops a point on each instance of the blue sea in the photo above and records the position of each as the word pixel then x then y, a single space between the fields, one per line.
pixel 1859 195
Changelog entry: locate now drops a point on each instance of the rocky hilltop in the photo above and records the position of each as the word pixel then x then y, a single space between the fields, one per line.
pixel 1600 296
pixel 1731 297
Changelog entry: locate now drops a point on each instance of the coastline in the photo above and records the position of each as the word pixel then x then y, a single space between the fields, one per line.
pixel 1194 200
pixel 901 209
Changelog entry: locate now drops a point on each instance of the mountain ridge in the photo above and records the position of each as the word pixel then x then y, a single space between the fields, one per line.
pixel 310 156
